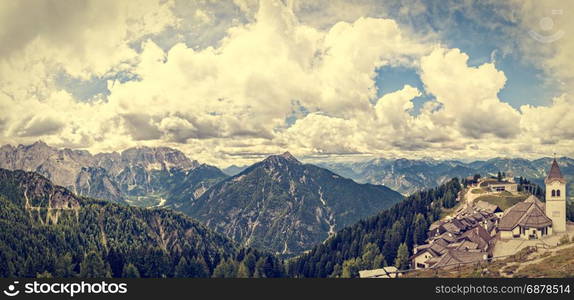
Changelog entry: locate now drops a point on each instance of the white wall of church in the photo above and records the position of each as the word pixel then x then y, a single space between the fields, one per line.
pixel 556 205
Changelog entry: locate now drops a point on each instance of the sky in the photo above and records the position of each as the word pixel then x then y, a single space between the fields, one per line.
pixel 230 82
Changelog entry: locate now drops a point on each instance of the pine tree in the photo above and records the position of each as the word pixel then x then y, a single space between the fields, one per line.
pixel 6 266
pixel 199 268
pixel 260 268
pixel 182 270
pixel 225 269
pixel 402 260
pixel 93 266
pixel 65 267
pixel 116 261
pixel 351 268
pixel 243 271
pixel 420 231
pixel 379 262
pixel 130 271
pixel 370 253
pixel 44 274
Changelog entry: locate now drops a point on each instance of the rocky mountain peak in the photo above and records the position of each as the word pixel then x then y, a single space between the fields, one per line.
pixel 286 157
pixel 157 158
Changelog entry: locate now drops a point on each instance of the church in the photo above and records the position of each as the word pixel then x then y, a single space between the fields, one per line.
pixel 534 219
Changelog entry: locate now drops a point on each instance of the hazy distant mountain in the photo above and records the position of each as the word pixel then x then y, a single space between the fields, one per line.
pixel 234 170
pixel 140 176
pixel 283 205
pixel 407 176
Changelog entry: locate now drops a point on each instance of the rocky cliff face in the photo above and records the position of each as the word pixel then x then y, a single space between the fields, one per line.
pixel 285 206
pixel 35 191
pixel 135 175
pixel 97 183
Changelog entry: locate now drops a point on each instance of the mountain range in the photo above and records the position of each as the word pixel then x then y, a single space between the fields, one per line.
pixel 285 206
pixel 142 176
pixel 407 176
pixel 278 204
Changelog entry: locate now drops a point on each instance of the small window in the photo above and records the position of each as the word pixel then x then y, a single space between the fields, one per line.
pixel 553 193
pixel 557 193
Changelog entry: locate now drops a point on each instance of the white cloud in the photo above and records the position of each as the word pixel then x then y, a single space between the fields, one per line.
pixel 230 101
pixel 469 94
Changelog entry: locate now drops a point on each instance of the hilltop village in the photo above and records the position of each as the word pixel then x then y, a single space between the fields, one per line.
pixel 486 226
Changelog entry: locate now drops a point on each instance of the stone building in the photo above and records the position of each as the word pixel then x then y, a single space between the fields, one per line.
pixel 533 219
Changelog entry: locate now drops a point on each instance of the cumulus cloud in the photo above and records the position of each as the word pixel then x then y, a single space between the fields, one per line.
pixel 271 84
pixel 469 94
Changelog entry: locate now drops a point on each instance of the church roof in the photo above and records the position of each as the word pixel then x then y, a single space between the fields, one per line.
pixel 529 213
pixel 555 173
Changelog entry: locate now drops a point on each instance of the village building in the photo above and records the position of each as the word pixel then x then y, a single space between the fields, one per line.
pixel 525 220
pixel 488 207
pixel 455 257
pixel 470 236
pixel 386 272
pixel 503 186
pixel 470 232
pixel 533 219
pixel 556 198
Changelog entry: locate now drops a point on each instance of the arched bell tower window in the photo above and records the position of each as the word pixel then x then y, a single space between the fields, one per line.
pixel 557 193
pixel 553 193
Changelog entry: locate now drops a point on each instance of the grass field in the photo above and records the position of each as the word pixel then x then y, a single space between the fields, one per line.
pixel 479 191
pixel 504 200
pixel 560 264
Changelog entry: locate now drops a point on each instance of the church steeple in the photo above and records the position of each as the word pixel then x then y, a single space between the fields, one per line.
pixel 554 173
pixel 556 197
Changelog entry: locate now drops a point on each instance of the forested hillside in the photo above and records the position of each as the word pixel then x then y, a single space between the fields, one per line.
pixel 385 239
pixel 49 231
pixel 285 206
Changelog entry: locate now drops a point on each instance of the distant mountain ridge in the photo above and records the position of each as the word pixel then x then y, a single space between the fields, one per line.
pixel 285 206
pixel 234 170
pixel 135 175
pixel 407 176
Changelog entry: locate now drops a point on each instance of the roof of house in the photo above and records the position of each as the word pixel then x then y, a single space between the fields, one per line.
pixel 528 213
pixel 501 183
pixel 490 225
pixel 447 237
pixel 425 249
pixel 478 235
pixel 386 272
pixel 463 245
pixel 555 174
pixel 437 248
pixel 488 207
pixel 452 227
pixel 441 242
pixel 467 222
pixel 455 256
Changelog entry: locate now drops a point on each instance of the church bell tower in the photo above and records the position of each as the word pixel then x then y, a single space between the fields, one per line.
pixel 556 198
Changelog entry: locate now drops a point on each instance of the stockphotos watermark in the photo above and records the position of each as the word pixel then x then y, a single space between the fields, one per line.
pixel 68 288
pixel 548 34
